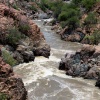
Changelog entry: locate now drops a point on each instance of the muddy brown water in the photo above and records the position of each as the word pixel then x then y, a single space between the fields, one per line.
pixel 44 81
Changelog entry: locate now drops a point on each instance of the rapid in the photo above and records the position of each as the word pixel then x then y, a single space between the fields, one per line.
pixel 44 81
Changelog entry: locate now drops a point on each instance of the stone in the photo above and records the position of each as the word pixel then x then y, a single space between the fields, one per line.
pixel 11 84
pixel 84 63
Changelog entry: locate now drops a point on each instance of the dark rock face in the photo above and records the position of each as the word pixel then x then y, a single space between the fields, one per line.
pixel 42 50
pixel 84 63
pixel 10 84
pixel 98 82
pixel 72 35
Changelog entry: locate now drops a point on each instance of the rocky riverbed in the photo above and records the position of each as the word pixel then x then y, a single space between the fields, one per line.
pixel 84 63
pixel 43 79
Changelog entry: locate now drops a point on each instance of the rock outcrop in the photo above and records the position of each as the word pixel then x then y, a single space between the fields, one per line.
pixel 84 63
pixel 25 49
pixel 10 84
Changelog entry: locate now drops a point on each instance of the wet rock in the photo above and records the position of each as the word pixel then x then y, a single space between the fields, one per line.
pixel 98 82
pixel 72 35
pixel 42 16
pixel 28 56
pixel 25 53
pixel 42 50
pixel 83 63
pixel 18 57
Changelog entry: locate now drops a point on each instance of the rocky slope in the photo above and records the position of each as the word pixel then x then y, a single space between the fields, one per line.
pixel 84 63
pixel 84 33
pixel 30 41
pixel 20 41
pixel 88 28
pixel 11 86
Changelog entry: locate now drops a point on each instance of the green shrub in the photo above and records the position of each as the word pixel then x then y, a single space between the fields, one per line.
pixel 73 22
pixel 7 57
pixel 93 38
pixel 63 24
pixel 68 13
pixel 14 35
pixel 43 5
pixel 15 7
pixel 33 8
pixel 3 96
pixel 63 16
pixel 24 28
pixel 76 2
pixel 88 4
pixel 96 35
pixel 91 19
pixel 90 39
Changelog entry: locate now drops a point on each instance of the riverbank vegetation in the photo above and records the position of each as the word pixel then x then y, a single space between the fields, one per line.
pixel 71 14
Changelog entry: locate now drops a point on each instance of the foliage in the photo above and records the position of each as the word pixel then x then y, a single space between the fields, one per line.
pixel 24 28
pixel 43 5
pixel 7 57
pixel 15 7
pixel 88 4
pixel 96 35
pixel 33 8
pixel 71 18
pixel 91 19
pixel 76 2
pixel 63 24
pixel 14 35
pixel 73 22
pixel 93 38
pixel 69 14
pixel 3 96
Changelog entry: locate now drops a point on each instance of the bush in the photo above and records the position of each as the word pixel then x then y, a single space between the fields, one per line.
pixel 3 96
pixel 43 5
pixel 63 16
pixel 14 35
pixel 7 57
pixel 88 4
pixel 73 22
pixel 24 28
pixel 96 35
pixel 89 38
pixel 33 8
pixel 91 19
pixel 76 2
pixel 94 38
pixel 63 24
pixel 15 7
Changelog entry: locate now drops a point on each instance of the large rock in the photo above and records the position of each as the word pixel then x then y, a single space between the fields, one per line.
pixel 84 63
pixel 10 84
pixel 72 35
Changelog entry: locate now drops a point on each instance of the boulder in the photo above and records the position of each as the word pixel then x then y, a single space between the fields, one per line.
pixel 10 84
pixel 98 82
pixel 42 50
pixel 84 63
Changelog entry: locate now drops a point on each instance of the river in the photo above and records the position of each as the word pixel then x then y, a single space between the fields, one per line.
pixel 44 81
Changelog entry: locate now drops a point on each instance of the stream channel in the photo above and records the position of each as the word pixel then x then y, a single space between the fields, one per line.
pixel 43 79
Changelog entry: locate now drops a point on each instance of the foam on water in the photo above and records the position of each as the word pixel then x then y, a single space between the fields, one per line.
pixel 44 81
